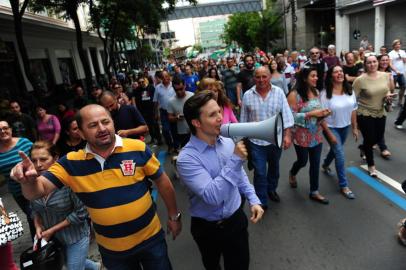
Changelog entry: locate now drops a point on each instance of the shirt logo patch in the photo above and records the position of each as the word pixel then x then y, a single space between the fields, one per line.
pixel 127 167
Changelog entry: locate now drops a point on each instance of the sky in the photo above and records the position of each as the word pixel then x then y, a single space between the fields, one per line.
pixel 184 29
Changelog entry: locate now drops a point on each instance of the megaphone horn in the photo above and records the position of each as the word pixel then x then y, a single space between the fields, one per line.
pixel 270 130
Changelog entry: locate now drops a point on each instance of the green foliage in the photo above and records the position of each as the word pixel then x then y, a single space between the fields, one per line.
pixel 254 29
pixel 197 47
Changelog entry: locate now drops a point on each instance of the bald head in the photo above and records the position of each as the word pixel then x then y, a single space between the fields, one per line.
pixel 261 70
pixel 86 110
pixel 262 77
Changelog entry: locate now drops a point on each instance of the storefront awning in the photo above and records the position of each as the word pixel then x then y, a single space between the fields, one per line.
pixel 382 2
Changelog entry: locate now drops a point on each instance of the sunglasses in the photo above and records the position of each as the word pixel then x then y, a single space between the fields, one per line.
pixel 4 129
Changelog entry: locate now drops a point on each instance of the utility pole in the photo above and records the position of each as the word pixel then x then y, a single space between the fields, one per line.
pixel 294 20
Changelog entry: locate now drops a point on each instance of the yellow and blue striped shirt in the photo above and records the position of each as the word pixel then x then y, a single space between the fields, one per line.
pixel 115 193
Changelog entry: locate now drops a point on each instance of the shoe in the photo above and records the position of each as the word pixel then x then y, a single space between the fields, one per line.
pixel 292 181
pixel 318 198
pixel 362 154
pixel 372 172
pixel 273 196
pixel 327 170
pixel 374 146
pixel 399 127
pixel 401 238
pixel 348 193
pixel 402 223
pixel 386 154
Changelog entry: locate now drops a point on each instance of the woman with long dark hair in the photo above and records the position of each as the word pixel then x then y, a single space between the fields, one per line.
pixel 371 89
pixel 307 135
pixel 339 98
pixel 277 77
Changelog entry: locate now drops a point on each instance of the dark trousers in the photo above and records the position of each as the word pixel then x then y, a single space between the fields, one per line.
pixel 155 257
pixel 183 139
pixel 304 154
pixel 402 115
pixel 153 129
pixel 168 130
pixel 228 239
pixel 372 130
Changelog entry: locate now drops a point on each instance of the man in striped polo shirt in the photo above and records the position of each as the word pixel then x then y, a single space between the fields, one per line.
pixel 109 176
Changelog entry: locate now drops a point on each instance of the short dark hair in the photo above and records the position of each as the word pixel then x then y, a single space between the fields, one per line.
pixel 248 55
pixel 177 80
pixel 191 109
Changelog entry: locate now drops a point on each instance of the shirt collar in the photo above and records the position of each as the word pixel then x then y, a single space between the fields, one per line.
pixel 118 143
pixel 201 145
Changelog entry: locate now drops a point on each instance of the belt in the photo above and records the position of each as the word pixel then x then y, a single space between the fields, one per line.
pixel 220 222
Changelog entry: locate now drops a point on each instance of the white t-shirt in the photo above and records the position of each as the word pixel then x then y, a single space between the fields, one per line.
pixel 341 107
pixel 289 73
pixel 397 60
pixel 302 59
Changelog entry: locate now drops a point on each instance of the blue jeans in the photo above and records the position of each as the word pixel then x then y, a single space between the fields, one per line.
pixel 76 256
pixel 303 154
pixel 265 180
pixel 337 152
pixel 154 257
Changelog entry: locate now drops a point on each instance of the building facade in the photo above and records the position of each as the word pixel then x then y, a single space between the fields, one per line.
pixel 52 52
pixel 381 21
pixel 211 32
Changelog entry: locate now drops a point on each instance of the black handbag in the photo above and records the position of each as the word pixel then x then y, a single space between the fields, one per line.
pixel 47 257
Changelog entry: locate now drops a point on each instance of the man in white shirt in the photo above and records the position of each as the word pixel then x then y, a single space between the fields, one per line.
pixel 397 63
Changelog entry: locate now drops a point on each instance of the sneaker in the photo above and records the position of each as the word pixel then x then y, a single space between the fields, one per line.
pixel 400 127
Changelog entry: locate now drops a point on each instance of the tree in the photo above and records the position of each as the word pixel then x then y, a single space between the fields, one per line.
pixel 254 29
pixel 18 13
pixel 123 20
pixel 68 9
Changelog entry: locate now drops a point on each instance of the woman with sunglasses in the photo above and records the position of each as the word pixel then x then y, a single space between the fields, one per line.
pixel 371 89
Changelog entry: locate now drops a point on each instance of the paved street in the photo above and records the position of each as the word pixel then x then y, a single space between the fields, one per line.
pixel 301 234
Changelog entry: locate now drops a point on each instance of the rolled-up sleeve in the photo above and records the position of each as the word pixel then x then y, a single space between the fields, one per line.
pixel 288 120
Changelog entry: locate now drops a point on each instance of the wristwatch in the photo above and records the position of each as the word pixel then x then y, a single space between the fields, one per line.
pixel 175 217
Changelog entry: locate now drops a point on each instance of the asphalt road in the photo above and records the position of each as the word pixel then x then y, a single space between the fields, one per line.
pixel 300 234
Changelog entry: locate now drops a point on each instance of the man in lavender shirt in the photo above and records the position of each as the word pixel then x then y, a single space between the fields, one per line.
pixel 211 167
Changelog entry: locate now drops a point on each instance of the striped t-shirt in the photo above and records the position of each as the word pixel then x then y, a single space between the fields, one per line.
pixel 9 159
pixel 115 193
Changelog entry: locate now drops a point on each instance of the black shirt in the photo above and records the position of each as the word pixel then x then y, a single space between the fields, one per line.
pixel 352 71
pixel 23 126
pixel 128 117
pixel 246 78
pixel 65 148
pixel 144 101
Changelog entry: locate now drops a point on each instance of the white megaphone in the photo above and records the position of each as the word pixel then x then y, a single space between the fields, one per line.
pixel 270 130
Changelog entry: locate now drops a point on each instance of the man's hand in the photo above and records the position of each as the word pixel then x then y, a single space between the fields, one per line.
pixel 174 227
pixel 24 172
pixel 241 150
pixel 257 212
pixel 287 140
pixel 122 133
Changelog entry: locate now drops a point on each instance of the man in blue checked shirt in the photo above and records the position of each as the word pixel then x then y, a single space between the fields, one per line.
pixel 261 102
pixel 211 168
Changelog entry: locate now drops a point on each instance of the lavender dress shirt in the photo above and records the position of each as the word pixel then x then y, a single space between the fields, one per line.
pixel 215 177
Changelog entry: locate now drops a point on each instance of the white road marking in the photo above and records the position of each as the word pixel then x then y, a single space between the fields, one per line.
pixel 393 183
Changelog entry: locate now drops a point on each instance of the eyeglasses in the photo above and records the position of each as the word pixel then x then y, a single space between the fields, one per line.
pixel 4 129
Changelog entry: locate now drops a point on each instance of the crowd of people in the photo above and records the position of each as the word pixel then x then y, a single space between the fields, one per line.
pixel 62 164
